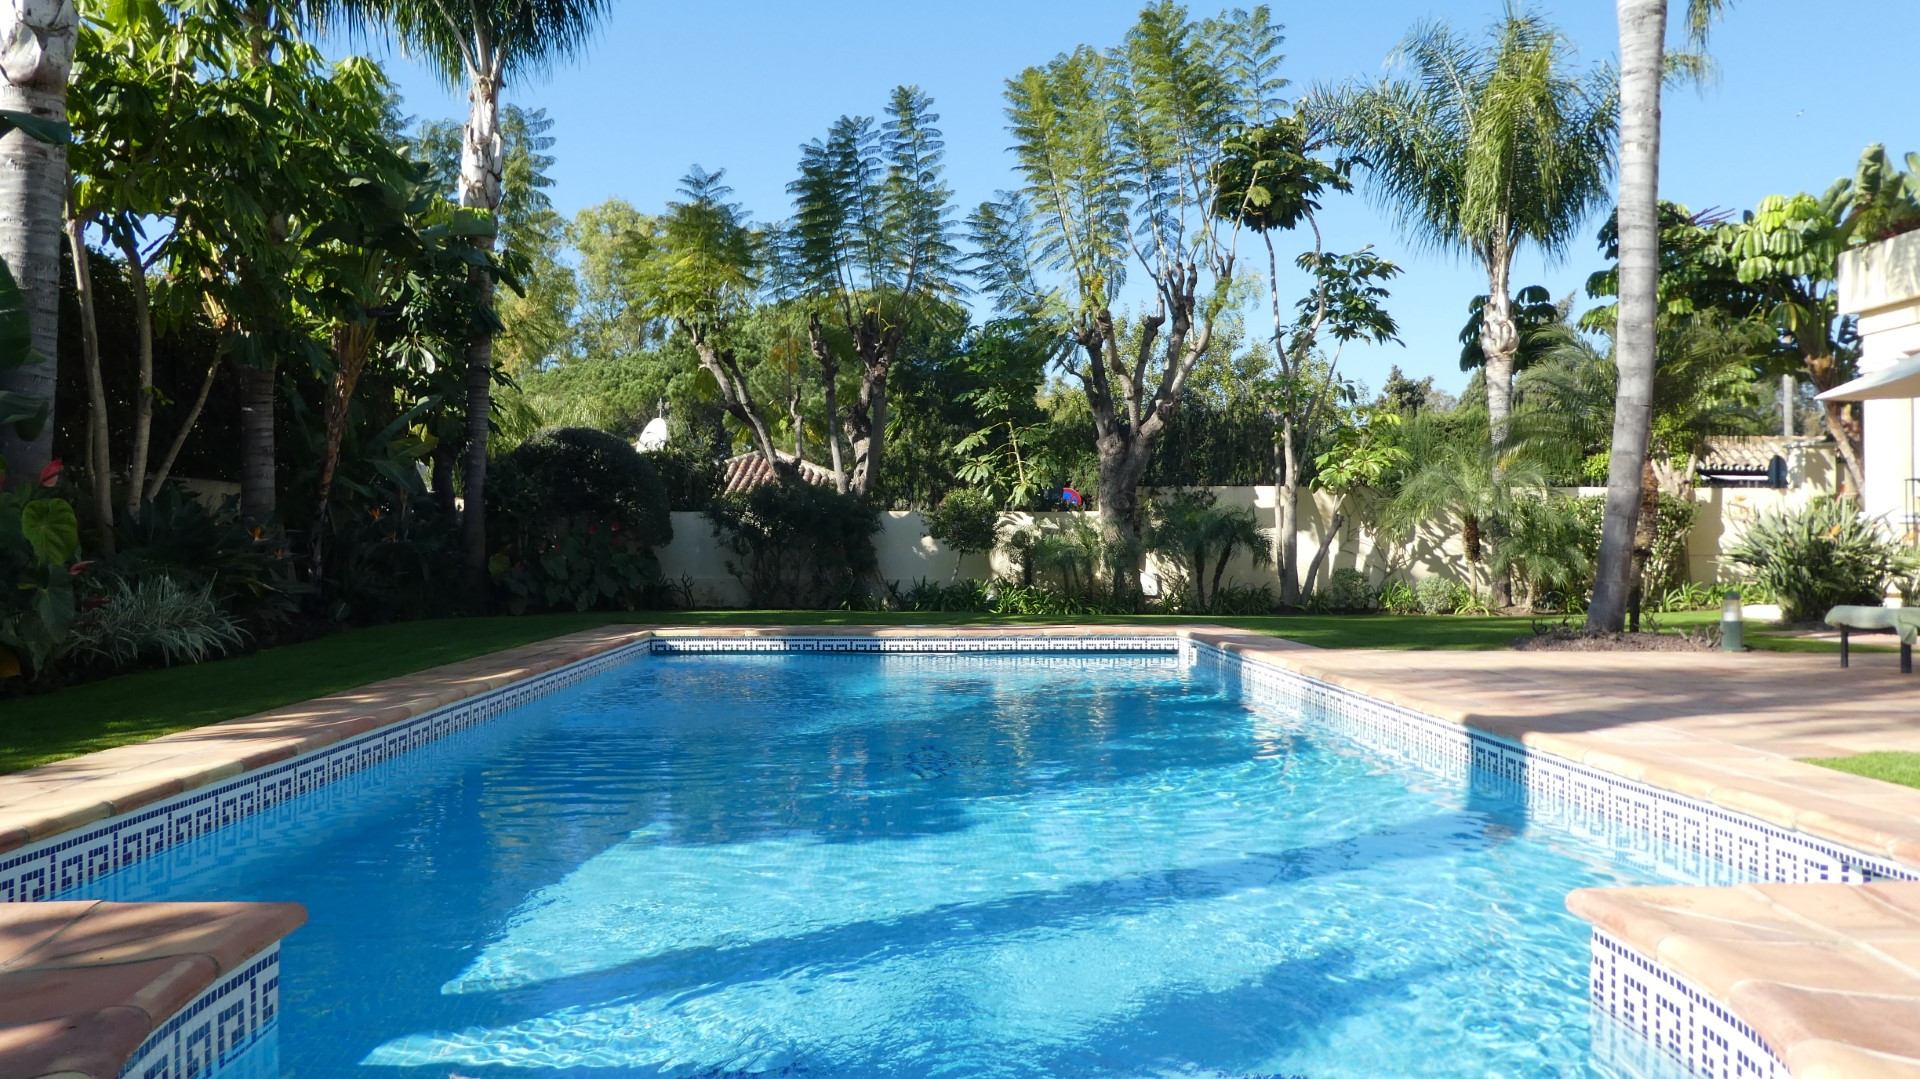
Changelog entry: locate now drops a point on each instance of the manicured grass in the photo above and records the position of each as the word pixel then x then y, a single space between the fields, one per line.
pixel 1893 766
pixel 135 707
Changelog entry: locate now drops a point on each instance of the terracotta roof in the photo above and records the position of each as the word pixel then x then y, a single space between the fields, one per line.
pixel 746 471
pixel 1747 453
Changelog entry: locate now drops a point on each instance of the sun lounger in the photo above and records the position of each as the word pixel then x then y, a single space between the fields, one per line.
pixel 1902 620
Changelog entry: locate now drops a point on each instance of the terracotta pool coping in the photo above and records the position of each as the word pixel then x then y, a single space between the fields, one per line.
pixel 1827 974
pixel 83 984
pixel 1606 712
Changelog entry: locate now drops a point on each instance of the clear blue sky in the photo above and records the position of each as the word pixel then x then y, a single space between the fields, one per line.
pixel 1801 88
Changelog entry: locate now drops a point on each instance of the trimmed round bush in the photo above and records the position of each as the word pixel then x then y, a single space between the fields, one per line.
pixel 576 475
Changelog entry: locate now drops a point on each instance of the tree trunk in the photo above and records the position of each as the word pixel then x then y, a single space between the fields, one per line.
pixel 443 461
pixel 867 416
pixel 35 59
pixel 1286 560
pixel 482 164
pixel 1846 438
pixel 99 424
pixel 1643 26
pixel 143 393
pixel 829 382
pixel 159 477
pixel 1788 393
pixel 256 443
pixel 1334 525
pixel 1122 464
pixel 1499 343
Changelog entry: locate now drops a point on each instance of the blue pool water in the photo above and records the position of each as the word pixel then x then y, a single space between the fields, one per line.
pixel 855 866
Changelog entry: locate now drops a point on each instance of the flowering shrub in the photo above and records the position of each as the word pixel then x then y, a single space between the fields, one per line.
pixel 39 546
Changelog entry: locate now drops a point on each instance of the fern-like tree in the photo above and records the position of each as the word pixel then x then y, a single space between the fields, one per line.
pixel 1483 148
pixel 1123 159
pixel 870 253
pixel 482 44
pixel 1643 68
pixel 701 271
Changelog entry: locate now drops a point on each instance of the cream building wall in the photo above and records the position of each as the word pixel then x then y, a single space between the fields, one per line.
pixel 1880 283
pixel 907 554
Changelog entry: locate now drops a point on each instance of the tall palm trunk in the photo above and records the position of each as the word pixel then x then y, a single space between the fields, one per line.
pixel 482 164
pixel 258 499
pixel 1643 28
pixel 37 39
pixel 1499 341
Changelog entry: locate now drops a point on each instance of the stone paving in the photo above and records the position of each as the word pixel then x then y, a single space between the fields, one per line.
pixel 82 984
pixel 1722 728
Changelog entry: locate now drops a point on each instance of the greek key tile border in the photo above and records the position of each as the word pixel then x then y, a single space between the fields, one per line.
pixel 1676 1016
pixel 1630 814
pixel 931 644
pixel 230 1018
pixel 64 862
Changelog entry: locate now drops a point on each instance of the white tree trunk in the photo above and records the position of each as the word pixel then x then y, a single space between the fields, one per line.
pixel 1643 29
pixel 482 165
pixel 37 39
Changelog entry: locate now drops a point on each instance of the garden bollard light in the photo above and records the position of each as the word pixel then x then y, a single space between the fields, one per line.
pixel 1733 631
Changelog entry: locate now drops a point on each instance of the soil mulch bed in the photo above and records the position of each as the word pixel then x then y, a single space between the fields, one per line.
pixel 1563 639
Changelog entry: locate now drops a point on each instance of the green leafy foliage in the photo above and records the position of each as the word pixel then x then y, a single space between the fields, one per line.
pixel 966 521
pixel 1349 590
pixel 1820 556
pixel 153 620
pixel 38 543
pixel 797 545
pixel 691 479
pixel 576 514
pixel 1188 528
pixel 247 569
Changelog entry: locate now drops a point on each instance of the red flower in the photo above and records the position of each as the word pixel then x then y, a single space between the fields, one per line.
pixel 615 526
pixel 93 603
pixel 50 475
pixel 593 530
pixel 79 567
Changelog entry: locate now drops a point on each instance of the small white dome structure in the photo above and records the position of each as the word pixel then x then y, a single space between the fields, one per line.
pixel 653 436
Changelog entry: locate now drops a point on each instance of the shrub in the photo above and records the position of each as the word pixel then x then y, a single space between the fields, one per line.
pixel 1241 599
pixel 799 545
pixel 691 480
pixel 576 474
pixel 574 514
pixel 1398 597
pixel 1437 595
pixel 966 521
pixel 1349 591
pixel 248 571
pixel 1546 548
pixel 152 619
pixel 400 563
pixel 1820 556
pixel 39 540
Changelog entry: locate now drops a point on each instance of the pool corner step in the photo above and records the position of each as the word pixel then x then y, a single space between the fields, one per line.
pixel 99 990
pixel 1764 980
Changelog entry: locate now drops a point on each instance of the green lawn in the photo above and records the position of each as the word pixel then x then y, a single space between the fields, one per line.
pixel 1893 766
pixel 139 706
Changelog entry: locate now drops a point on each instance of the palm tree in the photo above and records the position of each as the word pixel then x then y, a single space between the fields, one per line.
pixel 1481 150
pixel 1188 527
pixel 1643 36
pixel 34 67
pixel 481 44
pixel 1468 482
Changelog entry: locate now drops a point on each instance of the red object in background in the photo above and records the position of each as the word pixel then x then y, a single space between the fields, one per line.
pixel 50 475
pixel 1070 496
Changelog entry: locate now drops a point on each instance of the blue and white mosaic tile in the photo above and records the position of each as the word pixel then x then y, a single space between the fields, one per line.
pixel 229 1028
pixel 229 1021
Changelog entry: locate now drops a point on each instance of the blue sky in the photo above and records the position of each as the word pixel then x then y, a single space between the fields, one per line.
pixel 741 85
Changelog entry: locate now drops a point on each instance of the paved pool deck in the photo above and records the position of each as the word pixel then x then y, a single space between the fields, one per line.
pixel 1723 728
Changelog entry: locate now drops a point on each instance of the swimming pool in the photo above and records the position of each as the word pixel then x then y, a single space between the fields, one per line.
pixel 917 866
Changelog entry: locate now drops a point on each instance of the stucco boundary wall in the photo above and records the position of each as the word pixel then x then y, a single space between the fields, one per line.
pixel 907 554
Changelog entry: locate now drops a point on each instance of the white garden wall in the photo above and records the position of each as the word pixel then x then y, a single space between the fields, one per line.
pixel 907 553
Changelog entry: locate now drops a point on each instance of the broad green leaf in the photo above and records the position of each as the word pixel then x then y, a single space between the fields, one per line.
pixel 51 530
pixel 38 128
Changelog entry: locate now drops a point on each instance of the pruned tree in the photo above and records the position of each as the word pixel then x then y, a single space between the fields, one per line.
pixel 1124 159
pixel 702 272
pixel 870 252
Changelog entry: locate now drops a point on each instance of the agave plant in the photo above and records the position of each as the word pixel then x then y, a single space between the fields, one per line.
pixel 1821 556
